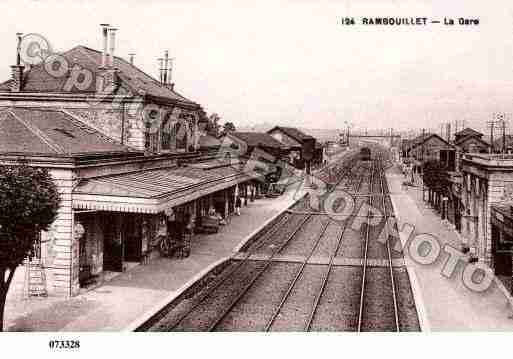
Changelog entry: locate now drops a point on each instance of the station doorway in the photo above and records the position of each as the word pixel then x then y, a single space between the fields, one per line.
pixel 502 257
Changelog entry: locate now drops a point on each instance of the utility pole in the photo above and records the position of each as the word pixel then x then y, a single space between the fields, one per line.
pixel 503 135
pixel 422 164
pixel 491 124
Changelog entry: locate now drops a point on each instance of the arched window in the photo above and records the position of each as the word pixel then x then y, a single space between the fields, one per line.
pixel 166 133
pixel 181 135
pixel 151 132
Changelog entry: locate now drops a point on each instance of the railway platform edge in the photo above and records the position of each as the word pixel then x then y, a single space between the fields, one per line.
pixel 425 326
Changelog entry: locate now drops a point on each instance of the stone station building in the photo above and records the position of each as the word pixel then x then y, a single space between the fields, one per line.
pixel 123 149
pixel 487 195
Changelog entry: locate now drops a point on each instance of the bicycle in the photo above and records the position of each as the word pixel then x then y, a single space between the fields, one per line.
pixel 166 246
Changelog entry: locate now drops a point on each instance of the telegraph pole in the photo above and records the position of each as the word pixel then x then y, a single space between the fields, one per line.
pixel 491 124
pixel 503 135
pixel 499 120
pixel 422 164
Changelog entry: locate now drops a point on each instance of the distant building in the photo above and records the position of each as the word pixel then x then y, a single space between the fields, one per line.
pixel 209 143
pixel 246 142
pixel 301 145
pixel 471 141
pixel 466 133
pixel 430 147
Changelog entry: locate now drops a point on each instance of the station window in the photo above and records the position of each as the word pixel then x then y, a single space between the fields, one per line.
pixel 166 133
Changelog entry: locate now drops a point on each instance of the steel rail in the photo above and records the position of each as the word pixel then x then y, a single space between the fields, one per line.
pixel 394 293
pixel 365 249
pixel 317 300
pixel 296 278
pixel 268 262
pixel 268 233
pixel 265 238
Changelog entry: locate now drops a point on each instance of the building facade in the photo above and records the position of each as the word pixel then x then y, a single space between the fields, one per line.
pixel 487 182
pixel 302 147
pixel 122 148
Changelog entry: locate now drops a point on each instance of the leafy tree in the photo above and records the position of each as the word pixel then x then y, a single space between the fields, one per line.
pixel 29 201
pixel 228 127
pixel 213 125
pixel 436 177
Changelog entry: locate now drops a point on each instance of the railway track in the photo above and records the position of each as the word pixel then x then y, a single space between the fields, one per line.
pixel 328 270
pixel 300 272
pixel 253 277
pixel 366 322
pixel 262 290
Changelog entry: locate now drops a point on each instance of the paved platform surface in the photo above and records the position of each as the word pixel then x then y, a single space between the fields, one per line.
pixel 119 302
pixel 449 305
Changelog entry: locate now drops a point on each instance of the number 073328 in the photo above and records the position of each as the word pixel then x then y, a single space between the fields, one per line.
pixel 64 344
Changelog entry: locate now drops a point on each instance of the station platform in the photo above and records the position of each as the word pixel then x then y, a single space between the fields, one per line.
pixel 129 295
pixel 445 304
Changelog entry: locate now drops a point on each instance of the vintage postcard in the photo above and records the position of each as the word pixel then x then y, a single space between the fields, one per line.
pixel 285 166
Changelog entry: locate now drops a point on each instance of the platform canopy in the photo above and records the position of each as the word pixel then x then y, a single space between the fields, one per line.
pixel 153 191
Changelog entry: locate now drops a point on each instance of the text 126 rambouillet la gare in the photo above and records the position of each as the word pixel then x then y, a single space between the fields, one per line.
pixel 408 21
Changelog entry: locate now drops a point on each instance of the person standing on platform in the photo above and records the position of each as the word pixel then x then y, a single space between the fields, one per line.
pixel 238 204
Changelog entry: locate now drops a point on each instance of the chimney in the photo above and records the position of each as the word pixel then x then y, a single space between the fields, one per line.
pixel 166 61
pixel 112 32
pixel 132 55
pixel 17 70
pixel 448 132
pixel 110 81
pixel 161 69
pixel 18 48
pixel 105 30
pixel 170 74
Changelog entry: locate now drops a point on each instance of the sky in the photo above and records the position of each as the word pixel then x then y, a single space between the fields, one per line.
pixel 293 63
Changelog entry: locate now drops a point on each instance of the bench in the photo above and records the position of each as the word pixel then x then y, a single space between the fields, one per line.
pixel 208 225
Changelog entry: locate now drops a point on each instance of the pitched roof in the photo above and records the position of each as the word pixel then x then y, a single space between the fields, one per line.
pixel 292 132
pixel 51 132
pixel 255 139
pixel 209 141
pixel 37 79
pixel 415 142
pixel 469 136
pixel 409 143
pixel 467 131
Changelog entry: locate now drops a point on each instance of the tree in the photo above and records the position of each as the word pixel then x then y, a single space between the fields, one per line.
pixel 29 201
pixel 213 125
pixel 228 127
pixel 436 178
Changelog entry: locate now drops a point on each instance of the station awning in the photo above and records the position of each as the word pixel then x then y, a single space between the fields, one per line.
pixel 152 191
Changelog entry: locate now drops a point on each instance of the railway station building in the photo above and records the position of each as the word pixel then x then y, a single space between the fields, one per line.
pixel 487 194
pixel 126 161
